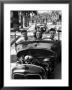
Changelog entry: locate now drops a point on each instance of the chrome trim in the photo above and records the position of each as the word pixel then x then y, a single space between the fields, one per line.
pixel 27 75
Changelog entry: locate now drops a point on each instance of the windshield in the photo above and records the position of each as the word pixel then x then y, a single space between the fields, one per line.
pixel 36 53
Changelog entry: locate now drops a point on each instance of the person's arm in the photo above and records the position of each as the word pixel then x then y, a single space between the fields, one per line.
pixel 20 39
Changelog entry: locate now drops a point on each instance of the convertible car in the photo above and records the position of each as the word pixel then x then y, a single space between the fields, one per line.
pixel 36 59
